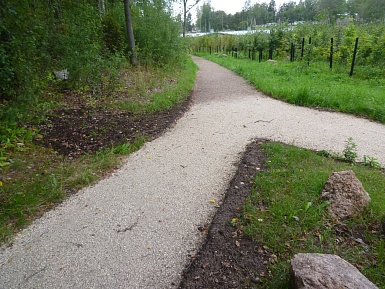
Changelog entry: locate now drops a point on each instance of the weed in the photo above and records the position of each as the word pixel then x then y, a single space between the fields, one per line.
pixel 350 153
pixel 371 162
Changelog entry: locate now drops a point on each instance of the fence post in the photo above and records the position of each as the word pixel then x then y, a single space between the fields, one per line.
pixel 354 57
pixel 331 53
pixel 271 53
pixel 303 47
pixel 308 60
pixel 260 55
pixel 292 52
pixel 236 52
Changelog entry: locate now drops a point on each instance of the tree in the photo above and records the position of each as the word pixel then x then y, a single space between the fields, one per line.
pixel 130 33
pixel 288 12
pixel 186 9
pixel 189 25
pixel 331 8
pixel 272 10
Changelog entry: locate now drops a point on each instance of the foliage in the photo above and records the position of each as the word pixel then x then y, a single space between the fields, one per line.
pixel 371 54
pixel 322 11
pixel 37 38
pixel 286 214
pixel 157 34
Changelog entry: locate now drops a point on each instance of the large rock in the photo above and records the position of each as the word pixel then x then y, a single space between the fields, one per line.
pixel 324 271
pixel 346 195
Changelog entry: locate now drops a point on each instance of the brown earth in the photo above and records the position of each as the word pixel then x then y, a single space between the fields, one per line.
pixel 76 128
pixel 229 258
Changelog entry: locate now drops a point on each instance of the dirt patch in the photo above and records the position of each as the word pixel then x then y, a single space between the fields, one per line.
pixel 76 129
pixel 228 258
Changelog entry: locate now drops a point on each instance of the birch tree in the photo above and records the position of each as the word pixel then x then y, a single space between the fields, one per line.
pixel 186 10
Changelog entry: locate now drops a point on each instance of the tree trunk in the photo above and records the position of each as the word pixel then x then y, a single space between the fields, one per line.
pixel 102 7
pixel 184 17
pixel 130 33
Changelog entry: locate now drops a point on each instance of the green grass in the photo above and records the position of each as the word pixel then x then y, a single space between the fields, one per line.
pixel 160 89
pixel 34 179
pixel 285 213
pixel 314 85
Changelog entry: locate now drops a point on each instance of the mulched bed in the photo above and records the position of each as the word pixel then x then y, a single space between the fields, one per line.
pixel 79 129
pixel 228 258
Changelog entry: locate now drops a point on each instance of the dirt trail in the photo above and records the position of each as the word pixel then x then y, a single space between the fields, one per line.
pixel 137 228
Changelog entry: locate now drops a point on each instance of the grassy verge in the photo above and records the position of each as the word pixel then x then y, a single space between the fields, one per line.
pixel 155 90
pixel 286 215
pixel 314 85
pixel 34 179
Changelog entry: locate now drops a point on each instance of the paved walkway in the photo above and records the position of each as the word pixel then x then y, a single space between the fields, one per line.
pixel 137 228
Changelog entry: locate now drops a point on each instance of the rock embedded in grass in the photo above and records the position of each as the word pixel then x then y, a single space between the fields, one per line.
pixel 346 195
pixel 326 271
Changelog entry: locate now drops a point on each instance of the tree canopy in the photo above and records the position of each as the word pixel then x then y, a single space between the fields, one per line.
pixel 259 13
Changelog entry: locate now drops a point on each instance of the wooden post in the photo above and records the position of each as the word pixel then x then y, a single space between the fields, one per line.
pixel 303 47
pixel 354 57
pixel 309 52
pixel 331 53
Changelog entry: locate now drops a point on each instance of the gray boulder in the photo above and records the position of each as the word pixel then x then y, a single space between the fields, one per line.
pixel 324 271
pixel 346 195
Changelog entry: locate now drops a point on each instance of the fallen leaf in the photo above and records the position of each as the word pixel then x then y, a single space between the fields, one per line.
pixel 273 259
pixel 212 201
pixel 237 243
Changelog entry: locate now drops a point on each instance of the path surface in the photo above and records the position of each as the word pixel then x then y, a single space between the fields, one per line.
pixel 136 228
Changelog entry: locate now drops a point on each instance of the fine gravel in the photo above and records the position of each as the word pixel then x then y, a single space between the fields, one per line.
pixel 137 228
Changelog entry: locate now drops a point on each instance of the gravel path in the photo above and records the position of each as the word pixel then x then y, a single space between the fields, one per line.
pixel 137 228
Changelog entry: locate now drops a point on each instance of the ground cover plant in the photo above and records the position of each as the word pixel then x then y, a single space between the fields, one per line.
pixel 313 86
pixel 82 138
pixel 285 214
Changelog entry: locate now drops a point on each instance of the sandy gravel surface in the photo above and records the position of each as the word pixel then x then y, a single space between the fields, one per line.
pixel 137 228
